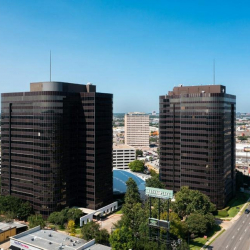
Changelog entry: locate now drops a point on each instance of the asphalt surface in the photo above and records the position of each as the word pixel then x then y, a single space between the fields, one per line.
pixel 237 237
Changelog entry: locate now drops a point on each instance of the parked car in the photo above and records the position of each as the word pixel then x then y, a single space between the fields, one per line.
pixel 247 211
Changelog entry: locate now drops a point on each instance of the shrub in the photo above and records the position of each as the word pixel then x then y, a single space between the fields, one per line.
pixel 222 213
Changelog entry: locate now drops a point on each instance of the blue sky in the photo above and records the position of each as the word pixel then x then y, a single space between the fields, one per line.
pixel 136 50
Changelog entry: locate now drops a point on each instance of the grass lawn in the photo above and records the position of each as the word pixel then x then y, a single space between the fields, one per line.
pixel 238 201
pixel 198 243
pixel 234 206
pixel 119 212
pixel 78 231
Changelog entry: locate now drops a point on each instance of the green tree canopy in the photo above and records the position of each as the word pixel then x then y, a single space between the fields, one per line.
pixel 57 218
pixel 15 206
pixel 74 214
pixel 189 201
pixel 92 230
pixel 177 227
pixel 122 239
pixel 62 217
pixel 198 224
pixel 132 195
pixel 36 220
pixel 136 166
pixel 154 182
pixel 138 153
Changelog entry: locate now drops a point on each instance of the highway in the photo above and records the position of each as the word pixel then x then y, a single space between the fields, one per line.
pixel 237 237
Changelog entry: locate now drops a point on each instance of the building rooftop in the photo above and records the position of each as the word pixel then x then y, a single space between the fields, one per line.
pixel 8 225
pixel 61 86
pixel 136 113
pixel 197 89
pixel 49 239
pixel 122 146
pixel 98 247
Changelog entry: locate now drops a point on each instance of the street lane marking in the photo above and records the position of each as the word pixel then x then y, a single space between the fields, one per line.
pixel 227 246
pixel 240 238
pixel 243 221
pixel 238 228
pixel 232 237
pixel 234 248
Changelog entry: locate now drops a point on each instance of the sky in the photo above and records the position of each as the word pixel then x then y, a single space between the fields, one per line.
pixel 136 50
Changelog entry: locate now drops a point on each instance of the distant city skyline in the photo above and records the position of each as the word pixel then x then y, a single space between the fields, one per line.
pixel 136 50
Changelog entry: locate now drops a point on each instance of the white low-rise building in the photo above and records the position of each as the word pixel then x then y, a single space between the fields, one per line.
pixel 38 239
pixel 123 155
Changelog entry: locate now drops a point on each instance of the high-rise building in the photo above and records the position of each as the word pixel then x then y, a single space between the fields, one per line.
pixel 123 155
pixel 57 146
pixel 197 141
pixel 137 129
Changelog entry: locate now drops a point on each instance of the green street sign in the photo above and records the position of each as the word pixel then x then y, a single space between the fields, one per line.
pixel 158 223
pixel 159 193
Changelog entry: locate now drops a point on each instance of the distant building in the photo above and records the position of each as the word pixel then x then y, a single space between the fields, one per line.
pixel 137 129
pixel 197 141
pixel 123 155
pixel 57 146
pixel 38 239
pixel 154 113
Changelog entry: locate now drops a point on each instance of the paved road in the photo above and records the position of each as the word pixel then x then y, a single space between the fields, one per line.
pixel 237 237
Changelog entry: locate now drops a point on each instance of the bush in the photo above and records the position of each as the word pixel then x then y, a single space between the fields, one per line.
pixel 222 213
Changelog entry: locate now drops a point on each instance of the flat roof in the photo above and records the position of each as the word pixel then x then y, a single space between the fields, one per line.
pixel 4 226
pixel 49 239
pixel 99 247
pixel 122 146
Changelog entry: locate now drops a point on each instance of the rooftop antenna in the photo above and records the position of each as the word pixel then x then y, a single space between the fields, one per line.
pixel 214 71
pixel 50 68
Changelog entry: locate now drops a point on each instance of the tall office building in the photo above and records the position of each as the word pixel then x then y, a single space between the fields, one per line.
pixel 57 146
pixel 197 141
pixel 137 129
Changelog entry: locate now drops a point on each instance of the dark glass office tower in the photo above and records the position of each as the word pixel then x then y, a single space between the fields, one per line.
pixel 197 141
pixel 57 146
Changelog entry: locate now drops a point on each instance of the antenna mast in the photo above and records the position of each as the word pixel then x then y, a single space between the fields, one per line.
pixel 50 67
pixel 214 71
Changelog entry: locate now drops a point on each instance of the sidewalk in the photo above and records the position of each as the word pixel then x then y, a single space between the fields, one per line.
pixel 225 225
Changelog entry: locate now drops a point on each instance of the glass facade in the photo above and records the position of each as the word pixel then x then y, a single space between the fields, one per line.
pixel 53 147
pixel 197 141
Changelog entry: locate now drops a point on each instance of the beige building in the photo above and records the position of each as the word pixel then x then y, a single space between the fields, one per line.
pixel 122 156
pixel 137 129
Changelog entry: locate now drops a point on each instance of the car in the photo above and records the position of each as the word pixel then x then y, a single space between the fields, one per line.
pixel 247 211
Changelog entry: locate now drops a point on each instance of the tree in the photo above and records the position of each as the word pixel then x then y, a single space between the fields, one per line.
pixel 102 237
pixel 154 182
pixel 188 201
pixel 153 173
pixel 15 206
pixel 177 227
pixel 36 220
pixel 243 138
pixel 197 224
pixel 92 230
pixel 136 166
pixel 71 227
pixel 74 214
pixel 122 239
pixel 138 152
pixel 24 211
pixel 57 218
pixel 132 195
